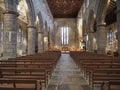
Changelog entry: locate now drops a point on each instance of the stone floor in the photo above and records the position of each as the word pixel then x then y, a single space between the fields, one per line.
pixel 67 76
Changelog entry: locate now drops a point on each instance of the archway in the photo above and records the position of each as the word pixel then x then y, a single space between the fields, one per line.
pixel 84 35
pixel 39 25
pixel 91 32
pixel 19 41
pixel 111 28
pixel 1 32
pixel 31 26
pixel 45 32
pixel 105 17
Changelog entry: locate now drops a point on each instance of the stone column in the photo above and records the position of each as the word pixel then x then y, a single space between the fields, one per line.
pixel 19 43
pixel 10 29
pixel 84 42
pixel 101 38
pixel 40 42
pixel 90 41
pixel 24 44
pixel 31 39
pixel 50 39
pixel 118 25
pixel 87 42
pixel 45 43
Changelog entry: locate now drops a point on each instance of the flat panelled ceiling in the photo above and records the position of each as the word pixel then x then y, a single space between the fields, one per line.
pixel 65 8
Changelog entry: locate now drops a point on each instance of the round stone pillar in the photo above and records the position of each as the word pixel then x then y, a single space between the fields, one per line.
pixel 24 46
pixel 45 43
pixel 10 30
pixel 31 39
pixel 40 42
pixel 50 40
pixel 101 38
pixel 90 41
pixel 118 24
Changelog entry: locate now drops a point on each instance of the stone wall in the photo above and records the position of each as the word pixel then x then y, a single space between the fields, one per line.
pixel 23 27
pixel 42 7
pixel 114 46
pixel 72 37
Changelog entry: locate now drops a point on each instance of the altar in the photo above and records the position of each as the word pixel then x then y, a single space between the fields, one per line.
pixel 65 49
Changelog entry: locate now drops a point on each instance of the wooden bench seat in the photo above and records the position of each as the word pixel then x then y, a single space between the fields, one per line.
pixel 99 75
pixel 25 73
pixel 48 67
pixel 30 69
pixel 104 61
pixel 111 85
pixel 27 61
pixel 88 66
pixel 15 84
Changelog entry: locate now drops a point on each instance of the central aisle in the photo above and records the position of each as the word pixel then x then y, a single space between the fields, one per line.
pixel 67 76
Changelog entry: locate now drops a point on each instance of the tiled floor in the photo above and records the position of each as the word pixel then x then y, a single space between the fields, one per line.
pixel 67 76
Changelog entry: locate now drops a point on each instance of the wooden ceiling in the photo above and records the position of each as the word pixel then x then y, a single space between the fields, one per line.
pixel 111 13
pixel 65 8
pixel 112 6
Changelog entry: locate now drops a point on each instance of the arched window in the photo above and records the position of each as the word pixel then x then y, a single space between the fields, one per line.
pixel 110 37
pixel 64 36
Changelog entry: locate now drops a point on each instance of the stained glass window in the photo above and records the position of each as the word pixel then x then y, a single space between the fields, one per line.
pixel 110 37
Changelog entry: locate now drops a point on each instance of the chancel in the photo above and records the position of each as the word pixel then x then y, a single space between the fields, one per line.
pixel 59 44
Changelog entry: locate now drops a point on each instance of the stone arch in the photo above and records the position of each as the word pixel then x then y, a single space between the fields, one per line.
pixel 84 28
pixel 1 16
pixel 45 33
pixel 19 41
pixel 49 36
pixel 40 20
pixel 100 20
pixel 101 12
pixel 45 29
pixel 1 31
pixel 91 21
pixel 91 29
pixel 40 37
pixel 31 12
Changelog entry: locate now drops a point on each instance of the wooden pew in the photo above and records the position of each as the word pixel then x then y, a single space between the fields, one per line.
pixel 33 67
pixel 99 64
pixel 89 66
pixel 99 75
pixel 111 85
pixel 31 63
pixel 24 73
pixel 15 84
pixel 48 66
pixel 99 68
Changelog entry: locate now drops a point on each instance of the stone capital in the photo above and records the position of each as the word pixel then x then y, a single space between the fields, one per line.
pixel 11 12
pixel 101 25
pixel 90 32
pixel 40 32
pixel 31 26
